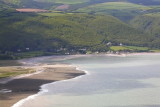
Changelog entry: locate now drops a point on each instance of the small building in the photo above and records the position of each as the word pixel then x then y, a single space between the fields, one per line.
pixel 27 49
pixel 109 43
pixel 120 44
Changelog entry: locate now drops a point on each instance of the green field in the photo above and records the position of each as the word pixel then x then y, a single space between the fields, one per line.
pixel 66 1
pixel 54 14
pixel 51 14
pixel 128 48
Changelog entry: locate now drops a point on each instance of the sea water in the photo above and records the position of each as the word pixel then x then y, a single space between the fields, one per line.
pixel 111 81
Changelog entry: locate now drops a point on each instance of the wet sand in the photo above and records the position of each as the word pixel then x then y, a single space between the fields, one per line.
pixel 29 85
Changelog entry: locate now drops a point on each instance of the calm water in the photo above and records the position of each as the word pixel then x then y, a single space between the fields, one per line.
pixel 132 81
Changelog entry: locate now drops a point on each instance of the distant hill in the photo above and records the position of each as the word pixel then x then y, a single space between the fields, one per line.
pixel 64 1
pixel 145 2
pixel 75 4
pixel 122 10
pixel 28 4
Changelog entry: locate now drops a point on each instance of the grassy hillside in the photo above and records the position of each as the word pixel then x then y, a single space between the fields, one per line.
pixel 28 32
pixel 145 2
pixel 40 33
pixel 28 4
pixel 4 5
pixel 117 31
pixel 65 1
pixel 121 10
pixel 76 4
pixel 148 23
pixel 11 1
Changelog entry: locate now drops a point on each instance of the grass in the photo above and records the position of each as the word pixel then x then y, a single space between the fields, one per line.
pixel 149 23
pixel 128 48
pixel 114 6
pixel 51 14
pixel 54 14
pixel 137 48
pixel 157 14
pixel 118 48
pixel 14 71
pixel 12 1
pixel 68 1
pixel 122 10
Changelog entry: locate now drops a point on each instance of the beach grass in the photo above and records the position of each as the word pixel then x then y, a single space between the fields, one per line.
pixel 14 71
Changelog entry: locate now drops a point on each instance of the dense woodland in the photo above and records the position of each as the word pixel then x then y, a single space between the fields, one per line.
pixel 87 26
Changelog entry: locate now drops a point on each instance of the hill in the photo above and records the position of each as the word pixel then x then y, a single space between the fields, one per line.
pixel 84 26
pixel 27 32
pixel 122 10
pixel 147 22
pixel 145 2
pixel 65 1
pixel 150 24
pixel 74 4
pixel 28 4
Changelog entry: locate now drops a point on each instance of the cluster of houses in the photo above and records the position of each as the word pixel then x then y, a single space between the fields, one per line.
pixel 77 51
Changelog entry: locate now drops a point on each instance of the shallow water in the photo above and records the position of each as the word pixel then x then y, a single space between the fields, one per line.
pixel 111 81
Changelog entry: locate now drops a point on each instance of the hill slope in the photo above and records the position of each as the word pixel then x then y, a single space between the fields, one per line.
pixel 122 10
pixel 20 31
pixel 150 24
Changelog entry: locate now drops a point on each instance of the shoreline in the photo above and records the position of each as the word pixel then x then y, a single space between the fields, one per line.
pixel 42 90
pixel 23 96
pixel 27 86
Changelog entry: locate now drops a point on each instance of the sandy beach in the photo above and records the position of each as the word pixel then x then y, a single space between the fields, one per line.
pixel 26 85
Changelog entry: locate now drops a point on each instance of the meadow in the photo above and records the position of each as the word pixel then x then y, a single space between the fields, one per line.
pixel 129 48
